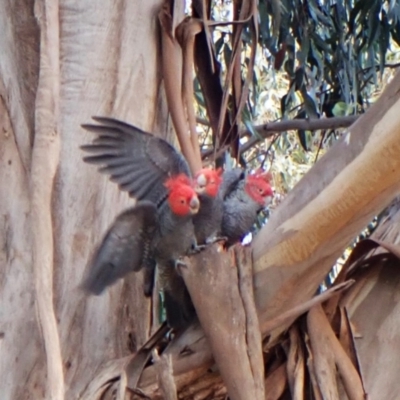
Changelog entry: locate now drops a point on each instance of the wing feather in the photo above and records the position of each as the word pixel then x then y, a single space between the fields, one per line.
pixel 123 249
pixel 137 161
pixel 230 181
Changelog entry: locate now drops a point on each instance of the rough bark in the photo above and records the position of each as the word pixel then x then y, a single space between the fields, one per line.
pixel 22 365
pixel 108 66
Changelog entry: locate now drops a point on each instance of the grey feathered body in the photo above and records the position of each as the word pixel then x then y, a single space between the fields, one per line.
pixel 174 235
pixel 240 213
pixel 207 222
pixel 174 238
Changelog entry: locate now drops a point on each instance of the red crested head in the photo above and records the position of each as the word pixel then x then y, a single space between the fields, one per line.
pixel 182 198
pixel 207 181
pixel 258 186
pixel 178 180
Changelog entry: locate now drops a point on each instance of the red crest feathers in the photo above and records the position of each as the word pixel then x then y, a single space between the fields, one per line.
pixel 177 181
pixel 209 180
pixel 258 186
pixel 182 197
pixel 265 175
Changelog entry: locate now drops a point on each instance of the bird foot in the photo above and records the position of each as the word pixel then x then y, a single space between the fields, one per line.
pixel 197 249
pixel 216 239
pixel 179 266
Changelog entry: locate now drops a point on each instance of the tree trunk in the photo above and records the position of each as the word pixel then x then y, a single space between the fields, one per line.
pixel 60 65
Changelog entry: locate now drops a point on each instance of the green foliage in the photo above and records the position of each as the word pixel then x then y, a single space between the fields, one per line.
pixel 315 58
pixel 333 50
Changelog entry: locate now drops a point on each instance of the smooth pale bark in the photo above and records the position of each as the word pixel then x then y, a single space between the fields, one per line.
pixel 336 199
pixel 108 66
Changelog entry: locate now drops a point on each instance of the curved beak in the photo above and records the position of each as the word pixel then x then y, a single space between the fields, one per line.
pixel 201 182
pixel 194 205
pixel 268 199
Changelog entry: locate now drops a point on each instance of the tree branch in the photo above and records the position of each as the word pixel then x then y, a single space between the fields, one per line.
pixel 267 130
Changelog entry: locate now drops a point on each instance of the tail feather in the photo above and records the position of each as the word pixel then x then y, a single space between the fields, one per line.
pixel 149 277
pixel 180 312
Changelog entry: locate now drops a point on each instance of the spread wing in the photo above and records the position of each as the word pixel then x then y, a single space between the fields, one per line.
pixel 138 161
pixel 230 180
pixel 123 249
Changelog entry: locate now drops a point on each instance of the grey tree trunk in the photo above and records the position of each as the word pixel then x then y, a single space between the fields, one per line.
pixel 61 63
pixel 64 61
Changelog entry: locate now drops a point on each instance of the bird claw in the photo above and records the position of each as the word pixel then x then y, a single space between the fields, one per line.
pixel 216 239
pixel 180 264
pixel 197 249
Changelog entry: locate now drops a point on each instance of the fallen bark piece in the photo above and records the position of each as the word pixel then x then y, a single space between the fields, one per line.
pixel 329 354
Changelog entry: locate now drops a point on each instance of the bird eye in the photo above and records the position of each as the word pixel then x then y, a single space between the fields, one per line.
pixel 182 201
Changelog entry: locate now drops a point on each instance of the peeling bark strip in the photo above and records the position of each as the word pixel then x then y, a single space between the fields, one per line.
pixel 220 292
pixel 243 258
pixel 328 354
pixel 173 74
pixel 295 312
pixel 164 376
pixel 295 365
pixel 45 159
pixel 275 383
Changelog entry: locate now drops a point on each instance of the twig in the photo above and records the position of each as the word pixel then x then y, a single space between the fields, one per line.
pixel 319 146
pixel 267 130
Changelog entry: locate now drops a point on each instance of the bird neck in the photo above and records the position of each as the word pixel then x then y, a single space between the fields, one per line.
pixel 167 219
